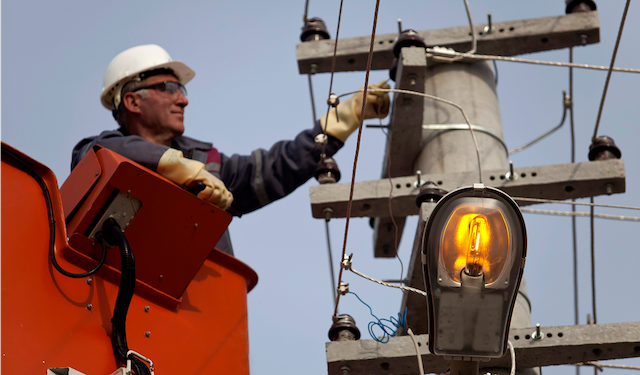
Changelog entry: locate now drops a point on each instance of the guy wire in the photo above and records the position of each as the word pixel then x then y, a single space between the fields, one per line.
pixel 606 82
pixel 355 160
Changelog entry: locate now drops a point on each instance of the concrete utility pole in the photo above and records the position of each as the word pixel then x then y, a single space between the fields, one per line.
pixel 447 147
pixel 434 138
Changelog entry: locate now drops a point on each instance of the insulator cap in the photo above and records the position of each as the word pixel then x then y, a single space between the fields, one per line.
pixel 327 171
pixel 429 192
pixel 575 6
pixel 344 329
pixel 333 100
pixel 408 38
pixel 393 70
pixel 321 139
pixel 314 29
pixel 604 148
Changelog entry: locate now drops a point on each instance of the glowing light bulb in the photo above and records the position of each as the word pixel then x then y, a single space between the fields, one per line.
pixel 475 243
pixel 477 249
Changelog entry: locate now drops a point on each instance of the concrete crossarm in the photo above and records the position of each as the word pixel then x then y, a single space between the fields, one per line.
pixel 558 181
pixel 560 345
pixel 509 38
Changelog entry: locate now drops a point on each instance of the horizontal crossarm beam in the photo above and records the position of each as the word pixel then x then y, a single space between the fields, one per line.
pixel 508 39
pixel 560 345
pixel 558 181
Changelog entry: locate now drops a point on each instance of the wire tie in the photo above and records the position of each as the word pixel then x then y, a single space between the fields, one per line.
pixel 343 289
pixel 346 261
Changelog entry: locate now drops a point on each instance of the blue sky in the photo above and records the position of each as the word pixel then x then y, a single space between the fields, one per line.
pixel 247 94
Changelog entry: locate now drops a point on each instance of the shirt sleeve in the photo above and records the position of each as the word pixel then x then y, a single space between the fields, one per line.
pixel 268 175
pixel 130 146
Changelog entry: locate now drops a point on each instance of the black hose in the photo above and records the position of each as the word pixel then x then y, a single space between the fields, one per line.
pixel 52 223
pixel 113 234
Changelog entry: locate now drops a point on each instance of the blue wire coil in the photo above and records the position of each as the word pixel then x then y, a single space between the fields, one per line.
pixel 387 326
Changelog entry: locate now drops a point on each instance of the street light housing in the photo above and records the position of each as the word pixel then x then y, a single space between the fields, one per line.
pixel 474 250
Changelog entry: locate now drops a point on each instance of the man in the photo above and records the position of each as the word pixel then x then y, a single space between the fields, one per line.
pixel 144 89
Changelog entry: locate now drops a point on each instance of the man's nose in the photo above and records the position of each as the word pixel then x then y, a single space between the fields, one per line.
pixel 182 100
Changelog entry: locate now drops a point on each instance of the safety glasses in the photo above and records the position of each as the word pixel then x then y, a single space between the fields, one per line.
pixel 166 86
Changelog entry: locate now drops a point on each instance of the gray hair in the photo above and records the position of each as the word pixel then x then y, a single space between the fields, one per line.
pixel 131 86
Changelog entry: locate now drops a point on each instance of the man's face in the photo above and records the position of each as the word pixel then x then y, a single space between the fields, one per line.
pixel 161 112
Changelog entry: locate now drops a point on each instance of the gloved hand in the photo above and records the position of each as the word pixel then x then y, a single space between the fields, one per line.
pixel 174 166
pixel 349 112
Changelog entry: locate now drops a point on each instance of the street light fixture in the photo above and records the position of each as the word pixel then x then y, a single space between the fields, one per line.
pixel 473 257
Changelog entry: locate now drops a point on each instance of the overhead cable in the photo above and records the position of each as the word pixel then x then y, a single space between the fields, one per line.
pixel 574 214
pixel 613 59
pixel 574 231
pixel 574 203
pixel 333 65
pixel 593 261
pixel 333 277
pixel 313 103
pixel 441 54
pixel 355 159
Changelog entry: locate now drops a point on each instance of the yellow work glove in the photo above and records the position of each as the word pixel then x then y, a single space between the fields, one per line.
pixel 349 112
pixel 174 166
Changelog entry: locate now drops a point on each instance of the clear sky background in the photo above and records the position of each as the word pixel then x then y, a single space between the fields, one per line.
pixel 248 93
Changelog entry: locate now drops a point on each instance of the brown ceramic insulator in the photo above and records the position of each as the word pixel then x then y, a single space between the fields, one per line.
pixel 314 29
pixel 575 6
pixel 408 38
pixel 327 171
pixel 604 148
pixel 344 329
pixel 429 192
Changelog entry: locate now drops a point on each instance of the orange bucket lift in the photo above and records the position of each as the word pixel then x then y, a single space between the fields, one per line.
pixel 188 314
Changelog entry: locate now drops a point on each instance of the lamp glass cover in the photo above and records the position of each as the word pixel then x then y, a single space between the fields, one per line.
pixel 475 239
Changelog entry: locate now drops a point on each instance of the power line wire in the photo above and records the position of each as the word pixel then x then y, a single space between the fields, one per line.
pixel 438 55
pixel 355 159
pixel 574 203
pixel 613 59
pixel 575 214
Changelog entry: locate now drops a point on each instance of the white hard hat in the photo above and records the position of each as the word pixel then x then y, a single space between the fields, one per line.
pixel 128 64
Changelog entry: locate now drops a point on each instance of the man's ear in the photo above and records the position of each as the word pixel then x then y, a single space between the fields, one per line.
pixel 131 101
